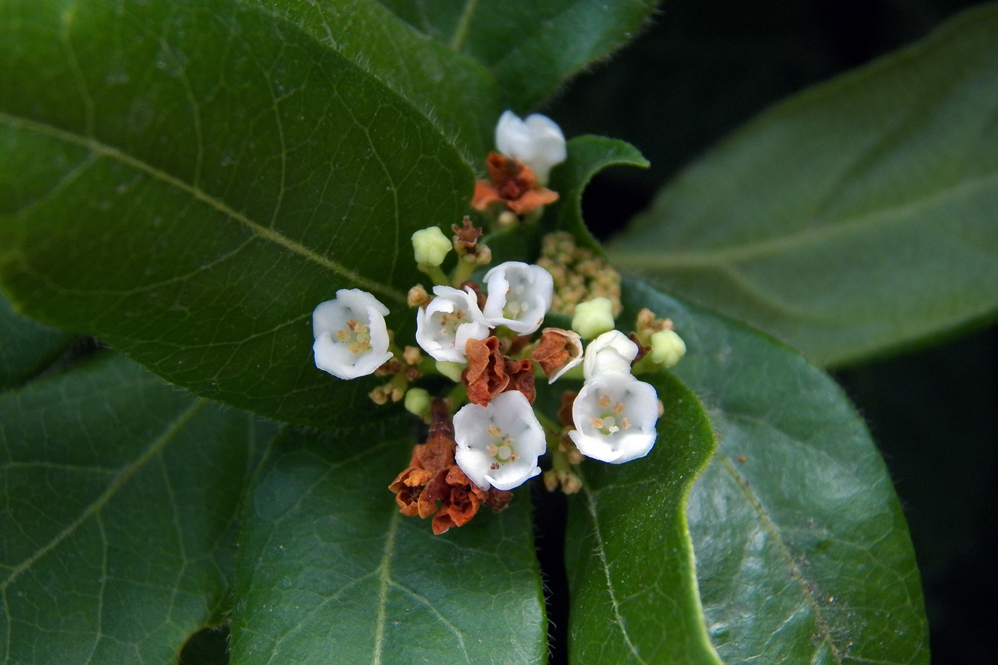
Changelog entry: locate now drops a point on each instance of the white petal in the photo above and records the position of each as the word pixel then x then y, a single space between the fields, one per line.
pixel 446 343
pixel 513 415
pixel 333 355
pixel 533 303
pixel 641 409
pixel 610 352
pixel 539 142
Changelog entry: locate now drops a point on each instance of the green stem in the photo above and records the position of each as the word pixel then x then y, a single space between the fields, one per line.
pixel 462 272
pixel 435 273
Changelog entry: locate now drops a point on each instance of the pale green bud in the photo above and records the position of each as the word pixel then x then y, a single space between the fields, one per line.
pixel 667 348
pixel 593 318
pixel 430 246
pixel 417 402
pixel 451 370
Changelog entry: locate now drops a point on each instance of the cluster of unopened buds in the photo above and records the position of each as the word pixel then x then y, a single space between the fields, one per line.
pixel 485 436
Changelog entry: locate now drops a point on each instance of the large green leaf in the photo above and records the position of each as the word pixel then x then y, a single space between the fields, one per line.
pixel 802 551
pixel 27 347
pixel 191 179
pixel 587 156
pixel 327 565
pixel 630 562
pixel 118 500
pixel 531 47
pixel 451 88
pixel 857 217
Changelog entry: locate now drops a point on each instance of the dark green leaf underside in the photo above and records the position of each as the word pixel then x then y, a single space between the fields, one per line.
pixel 630 561
pixel 854 218
pixel 26 347
pixel 118 499
pixel 328 566
pixel 189 180
pixel 802 551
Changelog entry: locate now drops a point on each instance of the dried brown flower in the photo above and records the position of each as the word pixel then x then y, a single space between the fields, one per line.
pixel 489 372
pixel 512 183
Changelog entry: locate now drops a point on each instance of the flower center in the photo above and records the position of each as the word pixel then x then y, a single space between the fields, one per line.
pixel 356 336
pixel 450 321
pixel 611 419
pixel 514 302
pixel 501 448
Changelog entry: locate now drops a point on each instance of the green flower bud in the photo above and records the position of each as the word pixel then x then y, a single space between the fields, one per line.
pixel 430 246
pixel 417 402
pixel 451 370
pixel 593 318
pixel 667 348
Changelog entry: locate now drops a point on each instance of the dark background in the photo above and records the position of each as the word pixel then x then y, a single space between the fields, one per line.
pixel 702 69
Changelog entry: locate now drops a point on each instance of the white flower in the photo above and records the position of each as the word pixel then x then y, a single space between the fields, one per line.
pixel 615 416
pixel 593 317
pixel 538 142
pixel 448 322
pixel 351 339
pixel 610 352
pixel 498 445
pixel 519 296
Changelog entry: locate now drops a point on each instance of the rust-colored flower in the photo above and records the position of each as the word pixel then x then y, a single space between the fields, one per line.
pixel 434 485
pixel 512 183
pixel 559 351
pixel 489 372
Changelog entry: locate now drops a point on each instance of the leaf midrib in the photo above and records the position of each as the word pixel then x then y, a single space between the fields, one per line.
pixel 726 256
pixel 258 230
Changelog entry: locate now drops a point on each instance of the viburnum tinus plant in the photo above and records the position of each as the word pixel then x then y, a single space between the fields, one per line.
pixel 282 278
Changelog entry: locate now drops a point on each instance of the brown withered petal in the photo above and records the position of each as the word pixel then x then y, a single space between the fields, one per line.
pixel 485 195
pixel 513 183
pixel 642 349
pixel 497 500
pixel 532 200
pixel 466 235
pixel 521 377
pixel 485 375
pixel 565 412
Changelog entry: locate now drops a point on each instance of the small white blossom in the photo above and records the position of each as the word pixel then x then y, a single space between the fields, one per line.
pixel 615 416
pixel 430 246
pixel 448 322
pixel 667 348
pixel 498 445
pixel 519 296
pixel 593 317
pixel 351 338
pixel 610 352
pixel 537 142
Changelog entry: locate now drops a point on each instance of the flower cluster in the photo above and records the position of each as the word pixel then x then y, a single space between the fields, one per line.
pixel 485 334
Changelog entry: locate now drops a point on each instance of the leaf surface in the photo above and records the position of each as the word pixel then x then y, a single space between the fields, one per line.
pixel 27 346
pixel 118 500
pixel 530 47
pixel 197 177
pixel 329 566
pixel 630 562
pixel 854 218
pixel 802 551
pixel 587 156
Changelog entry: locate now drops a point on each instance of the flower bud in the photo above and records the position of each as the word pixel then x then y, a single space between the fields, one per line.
pixel 417 296
pixel 667 348
pixel 451 370
pixel 593 318
pixel 417 402
pixel 430 246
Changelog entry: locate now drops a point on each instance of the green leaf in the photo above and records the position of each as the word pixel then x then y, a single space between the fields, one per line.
pixel 195 178
pixel 453 89
pixel 118 500
pixel 587 156
pixel 855 218
pixel 630 561
pixel 530 47
pixel 802 551
pixel 27 346
pixel 327 565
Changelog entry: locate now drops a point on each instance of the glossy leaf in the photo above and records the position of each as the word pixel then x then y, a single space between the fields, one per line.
pixel 453 89
pixel 329 566
pixel 587 156
pixel 802 551
pixel 531 47
pixel 118 500
pixel 630 562
pixel 855 218
pixel 195 178
pixel 27 346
